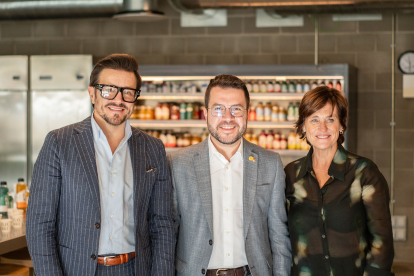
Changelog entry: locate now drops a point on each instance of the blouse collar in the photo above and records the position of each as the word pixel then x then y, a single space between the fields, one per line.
pixel 336 169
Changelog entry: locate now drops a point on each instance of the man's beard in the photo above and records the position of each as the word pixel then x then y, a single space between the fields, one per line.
pixel 116 120
pixel 214 133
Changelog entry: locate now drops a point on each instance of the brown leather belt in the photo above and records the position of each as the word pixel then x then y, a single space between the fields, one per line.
pixel 116 260
pixel 238 271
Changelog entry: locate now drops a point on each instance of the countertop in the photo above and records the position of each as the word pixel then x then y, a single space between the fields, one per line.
pixel 14 240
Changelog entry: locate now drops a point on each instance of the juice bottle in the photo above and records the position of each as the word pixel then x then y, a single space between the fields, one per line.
pixel 275 114
pixel 149 114
pixel 158 112
pixel 175 113
pixel 186 140
pixel 292 87
pixel 4 199
pixel 163 138
pixel 330 84
pixel 255 87
pixel 183 111
pixel 270 87
pixel 254 139
pixel 259 112
pixel 297 111
pixel 277 87
pixel 252 115
pixel 249 86
pixel 269 140
pixel 196 112
pixel 314 84
pixel 189 111
pixel 291 112
pixel 262 139
pixel 179 141
pixel 201 113
pixel 306 87
pixel 338 86
pixel 165 112
pixel 284 88
pixel 283 142
pixel 268 112
pixel 299 87
pixel 282 114
pixel 298 142
pixel 276 141
pixel 247 136
pixel 135 112
pixel 262 87
pixel 142 112
pixel 21 194
pixel 291 141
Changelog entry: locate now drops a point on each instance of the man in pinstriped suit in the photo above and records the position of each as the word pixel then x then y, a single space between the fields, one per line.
pixel 100 201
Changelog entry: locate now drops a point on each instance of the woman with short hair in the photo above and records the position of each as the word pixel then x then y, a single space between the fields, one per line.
pixel 339 218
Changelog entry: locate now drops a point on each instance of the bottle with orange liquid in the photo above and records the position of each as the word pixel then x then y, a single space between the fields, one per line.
pixel 21 194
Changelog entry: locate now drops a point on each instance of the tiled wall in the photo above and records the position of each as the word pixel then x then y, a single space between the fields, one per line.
pixel 365 45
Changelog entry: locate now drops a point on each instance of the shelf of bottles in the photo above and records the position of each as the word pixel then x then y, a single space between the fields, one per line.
pixel 171 108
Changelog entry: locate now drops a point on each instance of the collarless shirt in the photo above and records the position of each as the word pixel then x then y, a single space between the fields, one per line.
pixel 115 177
pixel 227 192
pixel 343 228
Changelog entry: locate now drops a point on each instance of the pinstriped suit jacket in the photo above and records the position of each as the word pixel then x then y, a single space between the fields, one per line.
pixel 64 213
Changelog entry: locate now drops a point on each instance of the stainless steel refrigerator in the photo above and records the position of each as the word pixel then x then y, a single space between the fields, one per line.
pixel 13 116
pixel 59 94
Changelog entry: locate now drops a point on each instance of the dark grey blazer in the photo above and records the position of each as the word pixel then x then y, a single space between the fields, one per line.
pixel 267 243
pixel 64 215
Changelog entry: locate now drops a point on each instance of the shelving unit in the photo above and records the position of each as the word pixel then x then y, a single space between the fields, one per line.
pixel 197 74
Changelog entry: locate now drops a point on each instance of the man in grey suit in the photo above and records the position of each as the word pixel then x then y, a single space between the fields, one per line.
pixel 228 195
pixel 100 197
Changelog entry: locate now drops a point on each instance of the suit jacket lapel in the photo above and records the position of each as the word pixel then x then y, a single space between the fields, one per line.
pixel 202 168
pixel 86 151
pixel 250 161
pixel 138 161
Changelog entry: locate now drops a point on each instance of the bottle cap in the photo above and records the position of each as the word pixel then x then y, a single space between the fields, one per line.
pixel 20 180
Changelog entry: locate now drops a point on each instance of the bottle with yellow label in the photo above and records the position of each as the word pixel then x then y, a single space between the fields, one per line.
pixel 21 194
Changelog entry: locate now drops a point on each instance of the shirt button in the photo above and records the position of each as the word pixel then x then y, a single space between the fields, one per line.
pixel 97 225
pixel 112 215
pixel 112 194
pixel 112 171
pixel 323 236
pixel 227 188
pixel 110 237
pixel 93 257
pixel 203 271
pixel 210 242
pixel 326 257
pixel 227 232
pixel 227 167
pixel 226 210
pixel 228 254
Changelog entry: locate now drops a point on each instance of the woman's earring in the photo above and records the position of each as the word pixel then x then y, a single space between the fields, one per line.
pixel 341 132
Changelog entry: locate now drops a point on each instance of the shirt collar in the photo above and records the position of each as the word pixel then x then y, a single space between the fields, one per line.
pixel 213 151
pixel 336 169
pixel 98 133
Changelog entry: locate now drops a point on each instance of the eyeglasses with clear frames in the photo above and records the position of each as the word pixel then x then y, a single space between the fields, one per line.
pixel 219 110
pixel 109 92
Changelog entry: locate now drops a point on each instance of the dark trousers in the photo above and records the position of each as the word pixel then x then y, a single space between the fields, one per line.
pixel 127 269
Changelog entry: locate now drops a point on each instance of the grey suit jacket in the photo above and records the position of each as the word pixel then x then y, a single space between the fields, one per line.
pixel 64 215
pixel 266 234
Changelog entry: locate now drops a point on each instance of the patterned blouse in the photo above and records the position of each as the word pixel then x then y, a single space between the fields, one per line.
pixel 343 228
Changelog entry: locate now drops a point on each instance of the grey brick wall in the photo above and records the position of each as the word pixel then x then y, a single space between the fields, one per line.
pixel 365 45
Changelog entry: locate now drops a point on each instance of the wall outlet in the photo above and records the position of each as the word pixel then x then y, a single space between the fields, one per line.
pixel 399 228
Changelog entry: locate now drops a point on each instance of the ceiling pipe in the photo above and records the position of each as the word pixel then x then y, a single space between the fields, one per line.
pixel 52 9
pixel 140 10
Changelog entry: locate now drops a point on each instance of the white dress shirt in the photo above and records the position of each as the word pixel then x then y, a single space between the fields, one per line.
pixel 227 190
pixel 116 193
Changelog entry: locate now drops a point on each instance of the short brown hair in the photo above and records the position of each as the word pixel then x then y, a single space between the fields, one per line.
pixel 315 100
pixel 227 81
pixel 122 62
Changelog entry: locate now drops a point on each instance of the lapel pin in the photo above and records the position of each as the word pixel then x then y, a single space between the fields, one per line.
pixel 251 158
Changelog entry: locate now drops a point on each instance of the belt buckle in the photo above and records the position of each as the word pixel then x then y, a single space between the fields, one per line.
pixel 220 269
pixel 105 259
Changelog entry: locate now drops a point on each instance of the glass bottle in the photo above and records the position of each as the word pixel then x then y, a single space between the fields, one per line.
pixel 21 194
pixel 4 199
pixel 183 111
pixel 259 112
pixel 269 140
pixel 189 111
pixel 262 139
pixel 252 115
pixel 275 114
pixel 276 141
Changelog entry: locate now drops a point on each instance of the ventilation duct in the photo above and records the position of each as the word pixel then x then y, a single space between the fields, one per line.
pixel 139 10
pixel 55 9
pixel 303 6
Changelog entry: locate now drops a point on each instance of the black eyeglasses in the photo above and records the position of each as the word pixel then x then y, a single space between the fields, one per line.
pixel 109 92
pixel 219 110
